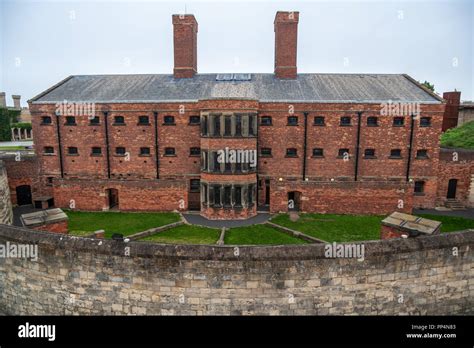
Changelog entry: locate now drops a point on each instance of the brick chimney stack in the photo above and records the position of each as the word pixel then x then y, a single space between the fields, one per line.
pixel 16 101
pixel 451 113
pixel 185 28
pixel 286 37
pixel 3 100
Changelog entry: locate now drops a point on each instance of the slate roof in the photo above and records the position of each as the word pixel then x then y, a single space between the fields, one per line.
pixel 322 88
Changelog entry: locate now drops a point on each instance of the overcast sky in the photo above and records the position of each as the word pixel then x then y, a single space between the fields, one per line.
pixel 42 42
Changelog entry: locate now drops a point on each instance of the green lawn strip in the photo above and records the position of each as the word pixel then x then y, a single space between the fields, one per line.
pixel 186 234
pixel 347 228
pixel 459 137
pixel 10 148
pixel 84 223
pixel 334 228
pixel 259 235
pixel 450 223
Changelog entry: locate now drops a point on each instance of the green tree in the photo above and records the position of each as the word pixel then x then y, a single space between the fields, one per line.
pixel 7 117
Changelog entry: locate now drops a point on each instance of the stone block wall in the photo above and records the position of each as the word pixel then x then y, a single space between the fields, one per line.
pixel 6 213
pixel 420 276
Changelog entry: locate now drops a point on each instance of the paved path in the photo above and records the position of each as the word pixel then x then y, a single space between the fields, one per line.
pixel 16 143
pixel 467 214
pixel 197 219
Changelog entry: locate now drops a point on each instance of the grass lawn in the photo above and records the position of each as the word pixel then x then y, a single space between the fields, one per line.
pixel 186 234
pixel 259 235
pixel 84 223
pixel 461 137
pixel 347 228
pixel 11 148
pixel 450 223
pixel 334 228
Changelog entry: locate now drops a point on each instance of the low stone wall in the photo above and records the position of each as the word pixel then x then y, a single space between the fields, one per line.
pixel 425 275
pixel 6 213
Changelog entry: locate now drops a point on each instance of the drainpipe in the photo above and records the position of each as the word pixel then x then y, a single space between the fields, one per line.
pixel 60 151
pixel 305 144
pixel 356 170
pixel 157 155
pixel 106 123
pixel 412 128
pixel 256 156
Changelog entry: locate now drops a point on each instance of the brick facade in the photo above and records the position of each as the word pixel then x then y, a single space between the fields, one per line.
pixel 456 165
pixel 151 155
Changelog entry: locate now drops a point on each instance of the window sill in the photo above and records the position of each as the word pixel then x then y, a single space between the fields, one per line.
pixel 395 157
pixel 372 125
pixel 342 157
pixel 169 155
pixel 46 124
pixel 119 124
pixel 118 155
pixel 398 126
pixel 292 125
pixel 94 124
pixel 198 155
pixel 317 157
pixel 143 155
pixel 266 156
pixel 49 154
pixel 96 155
pixel 370 157
pixel 72 154
pixel 194 124
pixel 319 125
pixel 425 126
pixel 266 125
pixel 290 156
pixel 422 158
pixel 69 125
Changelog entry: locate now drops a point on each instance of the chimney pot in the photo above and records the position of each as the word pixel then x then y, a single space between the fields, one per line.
pixel 286 35
pixel 16 101
pixel 3 100
pixel 185 29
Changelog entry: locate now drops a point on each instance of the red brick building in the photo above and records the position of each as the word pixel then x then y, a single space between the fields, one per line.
pixel 343 143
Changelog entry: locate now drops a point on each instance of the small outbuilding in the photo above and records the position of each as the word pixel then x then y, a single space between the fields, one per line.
pixel 402 225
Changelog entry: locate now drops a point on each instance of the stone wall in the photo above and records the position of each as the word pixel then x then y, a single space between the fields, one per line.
pixel 416 276
pixel 466 114
pixel 6 213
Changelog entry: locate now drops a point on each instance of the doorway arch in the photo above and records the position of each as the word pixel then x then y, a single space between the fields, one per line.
pixel 23 195
pixel 294 201
pixel 113 198
pixel 452 187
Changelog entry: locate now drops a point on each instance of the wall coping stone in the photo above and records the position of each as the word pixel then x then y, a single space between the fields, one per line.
pixel 52 241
